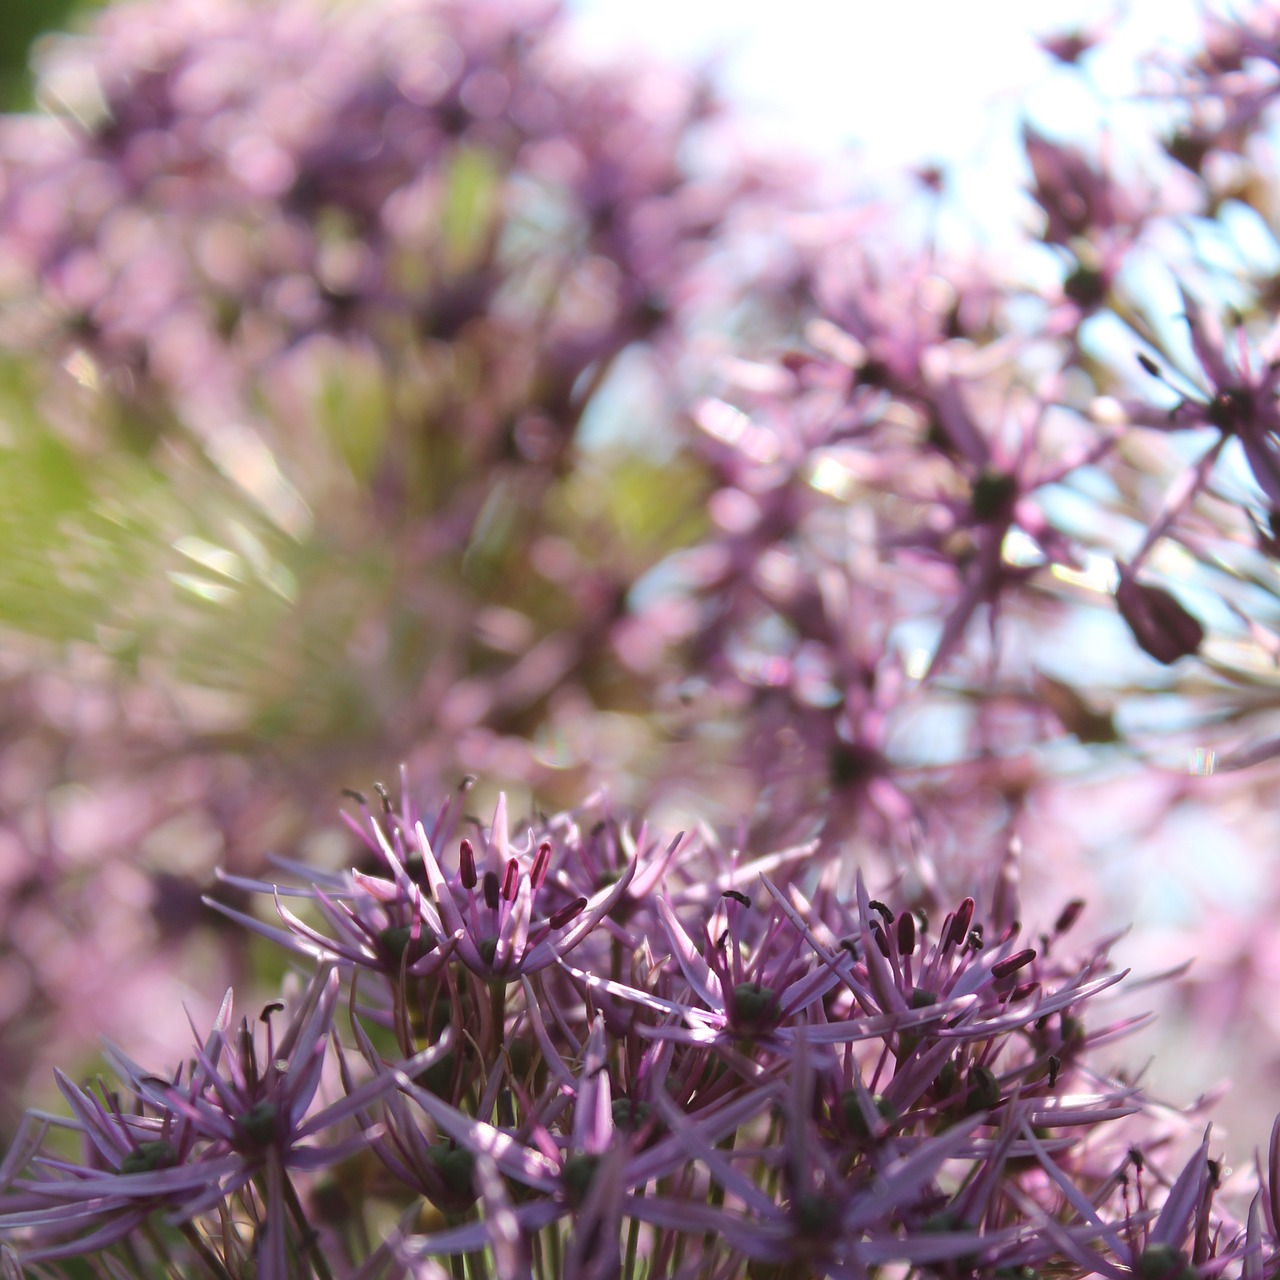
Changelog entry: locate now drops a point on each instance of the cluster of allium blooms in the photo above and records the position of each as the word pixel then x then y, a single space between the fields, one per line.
pixel 948 511
pixel 366 271
pixel 315 303
pixel 940 510
pixel 574 1049
pixel 420 392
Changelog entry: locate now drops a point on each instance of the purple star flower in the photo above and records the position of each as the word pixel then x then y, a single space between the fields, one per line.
pixel 586 1166
pixel 413 918
pixel 232 1131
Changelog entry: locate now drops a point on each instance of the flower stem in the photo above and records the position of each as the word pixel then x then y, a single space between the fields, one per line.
pixel 633 1242
pixel 203 1252
pixel 307 1236
pixel 498 1011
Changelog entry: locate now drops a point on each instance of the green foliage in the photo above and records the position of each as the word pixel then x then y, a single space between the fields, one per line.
pixel 23 21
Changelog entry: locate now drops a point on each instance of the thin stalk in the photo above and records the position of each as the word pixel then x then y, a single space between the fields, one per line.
pixel 682 1187
pixel 498 1011
pixel 1178 499
pixel 633 1241
pixel 557 1263
pixel 477 1266
pixel 716 1196
pixel 206 1255
pixel 307 1237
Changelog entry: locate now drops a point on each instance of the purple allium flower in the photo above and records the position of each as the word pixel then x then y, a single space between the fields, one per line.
pixel 411 919
pixel 596 1171
pixel 234 1129
pixel 1184 1239
pixel 748 981
pixel 136 1162
pixel 355 305
pixel 798 1081
pixel 828 1209
pixel 1240 396
pixel 340 294
pixel 1079 200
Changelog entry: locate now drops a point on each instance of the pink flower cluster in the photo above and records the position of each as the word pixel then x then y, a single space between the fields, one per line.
pixel 572 1049
pixel 389 383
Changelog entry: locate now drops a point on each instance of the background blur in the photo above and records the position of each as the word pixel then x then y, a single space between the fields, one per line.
pixel 333 444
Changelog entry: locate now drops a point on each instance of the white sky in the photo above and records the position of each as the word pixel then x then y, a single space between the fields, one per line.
pixel 904 83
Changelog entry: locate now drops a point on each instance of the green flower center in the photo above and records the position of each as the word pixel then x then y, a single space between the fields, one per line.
pixel 629 1115
pixel 146 1157
pixel 755 1007
pixel 257 1127
pixel 456 1166
pixel 851 1108
pixel 993 491
pixel 817 1217
pixel 1164 1262
pixel 397 939
pixel 577 1176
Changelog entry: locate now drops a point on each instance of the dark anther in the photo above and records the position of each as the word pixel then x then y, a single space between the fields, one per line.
pixel 1011 964
pixel 906 933
pixel 960 924
pixel 1069 915
pixel 467 864
pixel 566 913
pixel 541 861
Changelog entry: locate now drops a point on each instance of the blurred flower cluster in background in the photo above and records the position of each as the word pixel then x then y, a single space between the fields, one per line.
pixel 394 393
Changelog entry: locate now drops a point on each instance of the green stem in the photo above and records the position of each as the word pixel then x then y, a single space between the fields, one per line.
pixel 307 1237
pixel 554 1250
pixel 633 1242
pixel 477 1267
pixel 206 1255
pixel 682 1185
pixel 716 1200
pixel 536 1250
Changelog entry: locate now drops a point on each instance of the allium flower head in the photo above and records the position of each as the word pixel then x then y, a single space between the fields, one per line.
pixel 240 1123
pixel 491 913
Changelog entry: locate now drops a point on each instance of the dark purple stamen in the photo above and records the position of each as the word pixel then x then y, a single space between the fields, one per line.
pixel 541 862
pixel 906 933
pixel 1011 964
pixel 467 864
pixel 562 917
